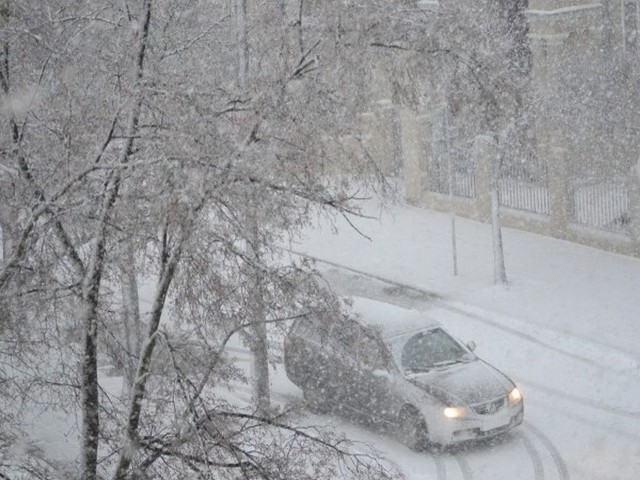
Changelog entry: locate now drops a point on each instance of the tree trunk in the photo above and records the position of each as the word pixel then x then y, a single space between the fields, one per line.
pixel 5 244
pixel 260 367
pixel 130 319
pixel 499 272
pixel 5 249
pixel 242 44
pixel 129 442
pixel 90 298
pixel 259 344
pixel 90 399
pixel 90 402
pixel 258 338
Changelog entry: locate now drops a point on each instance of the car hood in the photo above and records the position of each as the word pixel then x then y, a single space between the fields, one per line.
pixel 471 383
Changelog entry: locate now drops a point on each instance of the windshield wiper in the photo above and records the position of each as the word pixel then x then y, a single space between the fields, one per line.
pixel 463 359
pixel 443 363
pixel 446 363
pixel 414 371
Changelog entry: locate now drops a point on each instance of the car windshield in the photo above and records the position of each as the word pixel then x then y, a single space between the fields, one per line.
pixel 430 349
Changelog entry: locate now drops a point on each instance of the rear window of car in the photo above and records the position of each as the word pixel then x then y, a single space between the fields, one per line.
pixel 361 343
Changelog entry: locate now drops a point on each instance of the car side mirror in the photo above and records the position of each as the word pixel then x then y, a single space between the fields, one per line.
pixel 471 345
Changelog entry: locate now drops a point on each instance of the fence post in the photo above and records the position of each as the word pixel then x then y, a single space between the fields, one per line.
pixel 633 184
pixel 379 136
pixel 484 153
pixel 560 200
pixel 415 132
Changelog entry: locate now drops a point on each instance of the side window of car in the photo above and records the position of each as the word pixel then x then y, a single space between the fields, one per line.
pixel 370 351
pixel 358 343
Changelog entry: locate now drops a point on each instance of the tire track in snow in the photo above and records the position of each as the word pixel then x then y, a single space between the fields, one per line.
pixel 530 338
pixel 538 468
pixel 585 419
pixel 563 471
pixel 464 467
pixel 441 470
pixel 581 400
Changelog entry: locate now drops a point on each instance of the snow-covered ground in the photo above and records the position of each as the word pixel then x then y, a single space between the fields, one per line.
pixel 566 329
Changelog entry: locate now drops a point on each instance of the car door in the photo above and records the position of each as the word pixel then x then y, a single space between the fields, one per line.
pixel 309 362
pixel 376 379
pixel 344 366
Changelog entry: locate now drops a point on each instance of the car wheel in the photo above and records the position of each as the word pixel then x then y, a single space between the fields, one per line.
pixel 412 429
pixel 315 401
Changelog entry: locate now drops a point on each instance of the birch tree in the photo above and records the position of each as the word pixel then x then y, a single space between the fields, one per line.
pixel 257 335
pixel 143 168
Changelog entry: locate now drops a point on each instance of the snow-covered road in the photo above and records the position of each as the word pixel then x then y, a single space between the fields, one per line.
pixel 582 414
pixel 581 398
pixel 565 329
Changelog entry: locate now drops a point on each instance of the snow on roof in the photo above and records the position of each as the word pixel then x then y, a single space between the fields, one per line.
pixel 393 320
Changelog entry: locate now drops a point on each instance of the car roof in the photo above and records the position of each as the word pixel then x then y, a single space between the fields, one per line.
pixel 394 321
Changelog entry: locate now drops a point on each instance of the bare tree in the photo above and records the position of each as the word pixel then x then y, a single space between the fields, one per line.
pixel 141 173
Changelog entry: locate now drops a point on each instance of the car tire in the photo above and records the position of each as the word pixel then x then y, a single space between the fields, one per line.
pixel 315 401
pixel 412 429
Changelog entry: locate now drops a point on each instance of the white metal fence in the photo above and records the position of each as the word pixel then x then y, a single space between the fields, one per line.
pixel 604 205
pixel 520 195
pixel 464 184
pixel 599 205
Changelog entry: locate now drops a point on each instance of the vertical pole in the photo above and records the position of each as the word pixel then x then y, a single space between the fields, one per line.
pixel 499 271
pixel 454 247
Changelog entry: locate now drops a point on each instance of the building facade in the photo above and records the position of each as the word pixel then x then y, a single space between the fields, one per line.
pixel 582 180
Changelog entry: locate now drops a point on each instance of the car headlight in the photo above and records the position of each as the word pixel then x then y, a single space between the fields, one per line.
pixel 454 412
pixel 515 396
